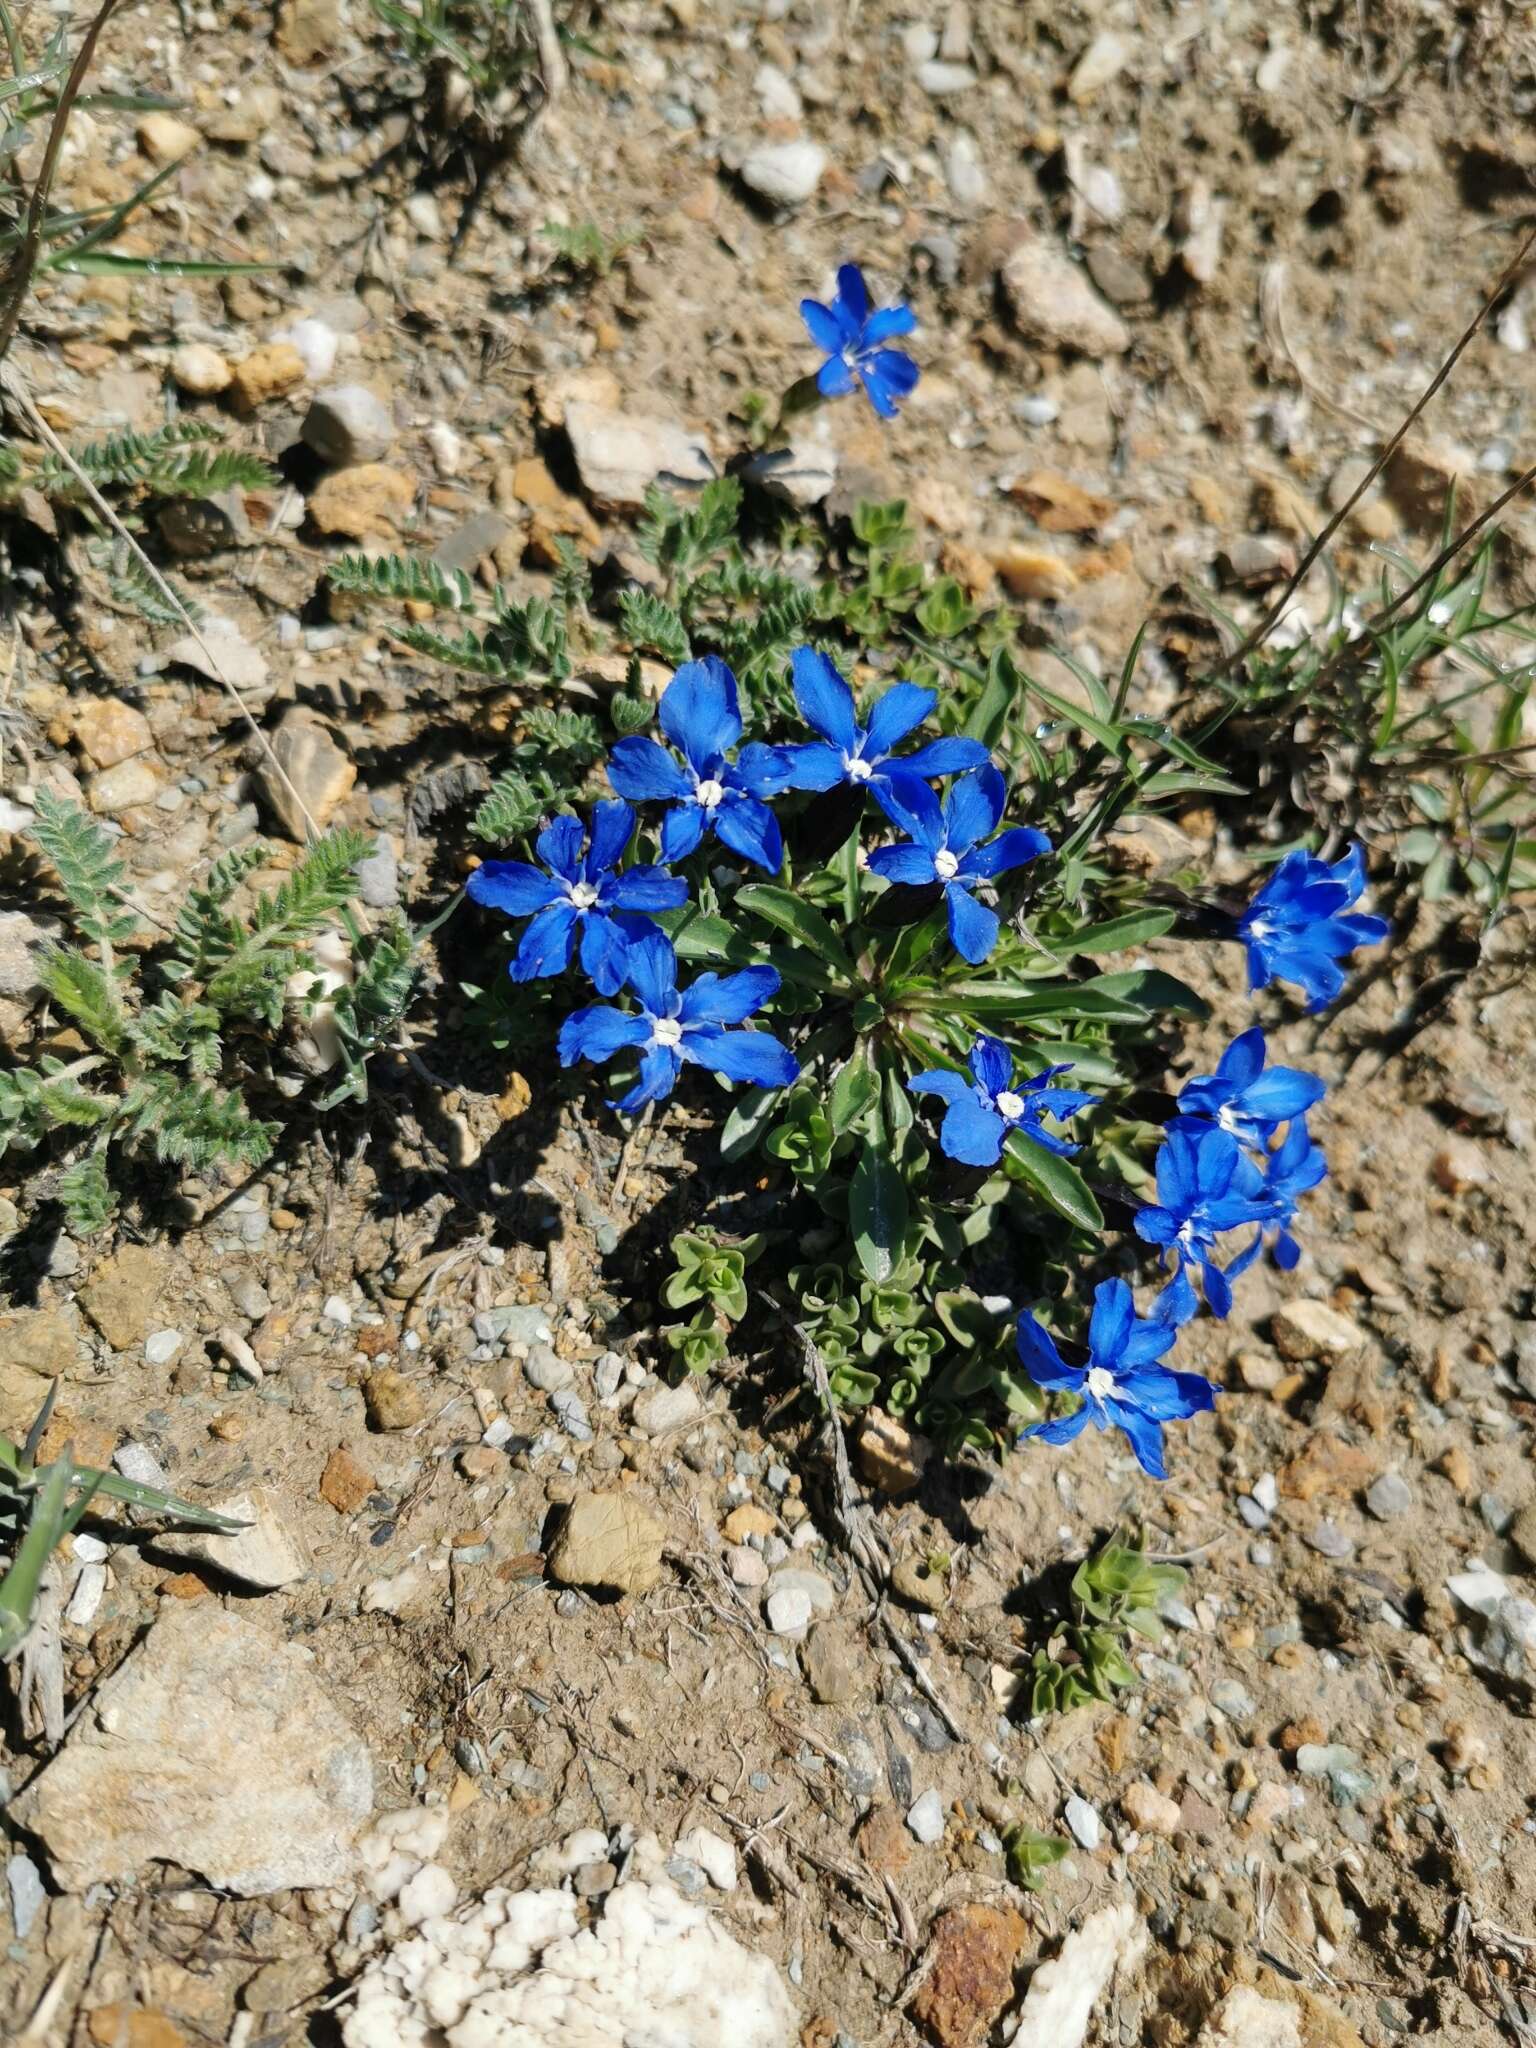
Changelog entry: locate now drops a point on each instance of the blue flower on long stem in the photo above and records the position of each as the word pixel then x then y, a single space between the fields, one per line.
pixel 1122 1386
pixel 583 893
pixel 983 1110
pixel 1244 1097
pixel 852 339
pixel 862 755
pixel 952 846
pixel 1206 1186
pixel 674 1025
pixel 700 714
pixel 1296 929
pixel 1295 1167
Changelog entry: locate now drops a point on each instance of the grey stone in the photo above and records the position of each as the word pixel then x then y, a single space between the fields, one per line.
pixel 545 1369
pixel 347 424
pixel 786 173
pixel 27 1894
pixel 513 1324
pixel 925 1817
pixel 818 1591
pixel 264 1554
pixel 662 1408
pixel 378 877
pixel 23 941
pixel 1329 1540
pixel 830 1659
pixel 213 1746
pixel 620 455
pixel 1053 302
pixel 1389 1496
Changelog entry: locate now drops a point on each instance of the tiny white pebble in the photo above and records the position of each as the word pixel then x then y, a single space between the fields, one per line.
pixel 338 1310
pixel 1083 1820
pixel 925 1817
pixel 161 1346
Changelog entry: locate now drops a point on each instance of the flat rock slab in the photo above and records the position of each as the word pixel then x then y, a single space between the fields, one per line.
pixel 215 1747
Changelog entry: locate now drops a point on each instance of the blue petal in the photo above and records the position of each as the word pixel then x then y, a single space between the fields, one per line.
pixel 972 808
pixel 1243 1060
pixel 1287 1252
pixel 901 709
pixel 754 1056
pixel 943 757
pixel 1156 1226
pixel 760 770
pixel 1110 1324
pixel 659 1069
pixel 681 830
pixel 830 333
pixel 1009 849
pixel 750 829
pixel 885 325
pixel 1177 1303
pixel 1218 1295
pixel 645 889
pixel 698 711
pixel 991 1064
pixel 604 953
pixel 973 928
pixel 834 379
pixel 559 846
pixel 1176 1180
pixel 545 947
pixel 728 998
pixel 852 295
pixel 612 825
pixel 825 700
pixel 1143 1435
pixel 512 886
pixel 645 772
pixel 653 974
pixel 1145 1343
pixel 1281 1093
pixel 940 1081
pixel 597 1033
pixel 910 865
pixel 912 806
pixel 972 1132
pixel 1041 1360
pixel 890 374
pixel 810 764
pixel 1062 1429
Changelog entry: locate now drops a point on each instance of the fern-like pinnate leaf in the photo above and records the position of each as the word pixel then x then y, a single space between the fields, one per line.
pixel 87 1195
pixel 207 932
pixel 249 981
pixel 681 536
pixel 649 621
pixel 174 1032
pixel 34 1102
pixel 189 1123
pixel 511 809
pixel 86 861
pixel 88 994
pixel 405 578
pixel 369 1008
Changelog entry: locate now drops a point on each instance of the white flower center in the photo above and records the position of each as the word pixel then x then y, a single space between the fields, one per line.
pixel 666 1031
pixel 1187 1237
pixel 583 894
pixel 709 794
pixel 1100 1383
pixel 1260 928
pixel 858 768
pixel 1010 1105
pixel 1230 1119
pixel 945 865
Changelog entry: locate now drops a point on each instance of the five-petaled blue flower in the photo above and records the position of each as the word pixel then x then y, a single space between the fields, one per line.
pixel 952 847
pixel 674 1025
pixel 983 1110
pixel 1244 1097
pixel 862 754
pixel 1206 1186
pixel 852 338
pixel 1122 1386
pixel 582 892
pixel 1295 1166
pixel 1295 929
pixel 700 715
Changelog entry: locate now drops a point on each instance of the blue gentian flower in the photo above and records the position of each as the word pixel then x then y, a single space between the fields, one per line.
pixel 983 1110
pixel 1295 1167
pixel 1245 1098
pixel 952 847
pixel 851 337
pixel 700 715
pixel 1122 1386
pixel 1206 1186
pixel 583 893
pixel 862 755
pixel 1295 928
pixel 676 1025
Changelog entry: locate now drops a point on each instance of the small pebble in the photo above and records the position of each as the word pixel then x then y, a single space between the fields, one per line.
pixel 1083 1821
pixel 925 1817
pixel 161 1346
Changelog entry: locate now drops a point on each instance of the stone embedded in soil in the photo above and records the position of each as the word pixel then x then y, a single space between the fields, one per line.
pixel 1149 1811
pixel 24 943
pixel 41 1340
pixel 199 370
pixel 318 768
pixel 1064 1992
pixel 620 455
pixel 344 1485
pixel 392 1400
pixel 127 787
pixel 1306 1330
pixel 1246 2019
pixel 266 373
pixel 891 1456
pixel 1522 1532
pixel 747 1520
pixel 789 1610
pixel 786 173
pixel 213 1746
pixel 107 731
pixel 662 1408
pixel 132 2026
pixel 819 1592
pixel 608 1540
pixel 1389 1496
pixel 265 1554
pixel 925 1817
pixel 164 139
pixel 125 1295
pixel 1327 1466
pixel 1052 302
pixel 367 501
pixel 970 1973
pixel 830 1656
pixel 348 424
pixel 1058 505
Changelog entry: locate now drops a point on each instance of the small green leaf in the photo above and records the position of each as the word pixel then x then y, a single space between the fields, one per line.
pixel 999 694
pixel 1056 1180
pixel 1118 934
pixel 796 917
pixel 877 1210
pixel 852 1092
